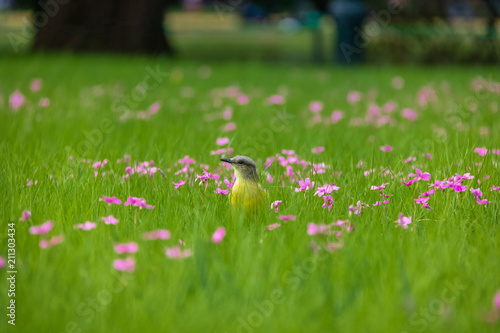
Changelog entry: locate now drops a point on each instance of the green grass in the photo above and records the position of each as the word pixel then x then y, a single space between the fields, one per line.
pixel 380 281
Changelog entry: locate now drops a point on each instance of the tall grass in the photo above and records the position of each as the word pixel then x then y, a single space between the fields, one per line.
pixel 438 275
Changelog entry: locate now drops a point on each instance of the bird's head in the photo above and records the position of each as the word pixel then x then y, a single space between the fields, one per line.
pixel 244 167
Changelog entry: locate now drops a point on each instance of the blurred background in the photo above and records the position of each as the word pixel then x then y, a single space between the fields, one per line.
pixel 343 32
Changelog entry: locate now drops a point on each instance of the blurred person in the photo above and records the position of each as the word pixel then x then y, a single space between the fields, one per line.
pixel 349 16
pixel 458 8
pixel 253 12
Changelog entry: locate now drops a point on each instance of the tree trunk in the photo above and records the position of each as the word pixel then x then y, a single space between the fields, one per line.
pixel 119 26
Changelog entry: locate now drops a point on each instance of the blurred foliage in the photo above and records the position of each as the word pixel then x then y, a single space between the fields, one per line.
pixel 418 49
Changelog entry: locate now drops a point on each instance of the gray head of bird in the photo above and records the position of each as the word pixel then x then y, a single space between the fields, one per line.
pixel 244 167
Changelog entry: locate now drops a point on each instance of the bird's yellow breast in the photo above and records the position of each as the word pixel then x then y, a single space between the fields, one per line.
pixel 247 194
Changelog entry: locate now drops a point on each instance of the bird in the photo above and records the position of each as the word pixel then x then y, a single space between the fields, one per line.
pixel 246 193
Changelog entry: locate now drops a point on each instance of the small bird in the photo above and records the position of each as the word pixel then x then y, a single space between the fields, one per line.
pixel 246 191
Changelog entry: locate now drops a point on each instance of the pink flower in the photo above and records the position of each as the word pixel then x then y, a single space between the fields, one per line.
pixel 420 175
pixel 334 246
pixel 357 210
pixel 353 96
pixel 458 187
pixel 110 220
pixel 269 161
pixel 154 108
pixel 476 192
pixel 25 216
pixel 158 234
pixel 186 160
pixel 403 221
pixel 409 159
pixel 495 188
pixel 440 185
pixel 380 188
pixel 127 264
pixel 409 182
pixel 305 185
pixel 286 218
pixel 481 151
pixel 336 116
pixel 44 244
pixel 426 194
pixel 36 84
pixel 316 106
pixel 85 226
pixel 222 141
pixel 218 235
pixel 229 127
pixel 496 300
pixel 16 100
pixel 276 99
pixel 2 262
pixel 209 175
pixel 227 113
pixel 409 114
pixel 317 229
pixel 390 106
pixel 421 200
pixel 275 205
pixel 318 150
pixel 202 178
pixel 386 148
pixel 326 189
pixel 138 202
pixel 181 182
pixel 30 182
pixel 287 152
pixel 467 176
pixel 126 247
pixel 273 226
pixel 44 102
pixel 42 229
pixel 482 201
pixel 242 99
pixel 98 164
pixel 220 191
pixel 228 183
pixel 111 200
pixel 328 202
pixel 176 253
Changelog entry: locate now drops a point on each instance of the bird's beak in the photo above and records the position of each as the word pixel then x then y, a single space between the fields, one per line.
pixel 227 160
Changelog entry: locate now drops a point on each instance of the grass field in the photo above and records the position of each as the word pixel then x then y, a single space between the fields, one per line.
pixel 439 274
